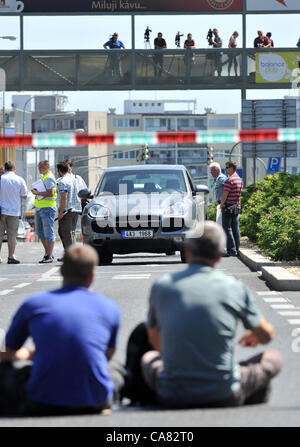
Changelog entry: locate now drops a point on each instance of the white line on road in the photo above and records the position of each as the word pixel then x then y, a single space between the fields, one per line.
pixel 23 284
pixel 292 313
pixel 47 279
pixel 282 306
pixel 49 273
pixel 294 321
pixel 275 300
pixel 3 279
pixel 131 276
pixel 268 293
pixel 6 292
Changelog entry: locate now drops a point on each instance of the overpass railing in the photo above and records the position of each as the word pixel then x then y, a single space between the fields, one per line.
pixel 135 69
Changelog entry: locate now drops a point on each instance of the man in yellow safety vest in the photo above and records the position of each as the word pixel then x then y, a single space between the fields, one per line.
pixel 45 204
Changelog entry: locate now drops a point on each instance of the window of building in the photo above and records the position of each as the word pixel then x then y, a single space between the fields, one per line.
pixel 221 122
pixel 199 124
pixel 149 123
pixel 183 123
pixel 162 122
pixel 79 124
pixel 59 124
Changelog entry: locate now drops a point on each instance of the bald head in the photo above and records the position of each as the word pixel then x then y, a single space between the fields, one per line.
pixel 78 266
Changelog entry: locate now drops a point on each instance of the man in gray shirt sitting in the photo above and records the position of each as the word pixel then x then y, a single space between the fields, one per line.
pixel 192 325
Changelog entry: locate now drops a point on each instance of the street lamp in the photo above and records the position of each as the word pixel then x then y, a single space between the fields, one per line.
pixel 23 132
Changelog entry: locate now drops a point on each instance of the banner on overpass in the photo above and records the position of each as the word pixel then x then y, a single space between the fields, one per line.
pixel 273 5
pixel 117 6
pixel 277 67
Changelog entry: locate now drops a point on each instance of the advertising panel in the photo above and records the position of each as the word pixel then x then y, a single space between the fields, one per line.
pixel 273 5
pixel 278 67
pixel 112 6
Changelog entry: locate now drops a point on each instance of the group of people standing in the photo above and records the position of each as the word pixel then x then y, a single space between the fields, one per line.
pixel 227 194
pixel 56 196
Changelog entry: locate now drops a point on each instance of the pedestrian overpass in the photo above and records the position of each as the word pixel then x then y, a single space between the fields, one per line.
pixel 70 70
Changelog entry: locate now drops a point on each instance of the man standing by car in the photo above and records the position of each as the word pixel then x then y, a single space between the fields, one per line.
pixel 45 210
pixel 218 188
pixel 231 208
pixel 68 207
pixel 80 183
pixel 12 189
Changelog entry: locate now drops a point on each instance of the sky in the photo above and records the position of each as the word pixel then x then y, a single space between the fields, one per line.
pixel 91 32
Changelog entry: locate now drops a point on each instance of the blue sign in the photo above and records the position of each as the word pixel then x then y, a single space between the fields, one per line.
pixel 274 165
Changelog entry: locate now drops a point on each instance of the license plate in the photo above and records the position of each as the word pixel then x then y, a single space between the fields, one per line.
pixel 140 234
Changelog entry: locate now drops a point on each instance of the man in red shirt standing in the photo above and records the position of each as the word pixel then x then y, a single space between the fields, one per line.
pixel 262 41
pixel 231 208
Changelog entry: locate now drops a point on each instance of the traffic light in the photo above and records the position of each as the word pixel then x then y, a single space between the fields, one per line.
pixel 146 152
pixel 143 154
pixel 210 155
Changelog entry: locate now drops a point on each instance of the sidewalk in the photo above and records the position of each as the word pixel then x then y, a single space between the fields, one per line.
pixel 282 276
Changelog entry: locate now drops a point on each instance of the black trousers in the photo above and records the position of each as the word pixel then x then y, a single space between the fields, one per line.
pixel 15 400
pixel 67 227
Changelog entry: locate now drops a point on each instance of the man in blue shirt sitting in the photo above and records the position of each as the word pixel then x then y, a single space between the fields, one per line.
pixel 74 331
pixel 114 60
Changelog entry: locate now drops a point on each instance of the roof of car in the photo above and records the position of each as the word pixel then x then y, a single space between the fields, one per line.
pixel 145 168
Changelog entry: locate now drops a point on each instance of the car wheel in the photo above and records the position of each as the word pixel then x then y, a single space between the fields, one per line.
pixel 105 257
pixel 170 253
pixel 182 256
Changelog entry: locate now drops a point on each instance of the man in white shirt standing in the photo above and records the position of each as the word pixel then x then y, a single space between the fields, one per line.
pixel 12 189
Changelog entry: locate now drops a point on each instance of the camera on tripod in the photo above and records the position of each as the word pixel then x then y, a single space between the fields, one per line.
pixel 210 36
pixel 147 34
pixel 177 39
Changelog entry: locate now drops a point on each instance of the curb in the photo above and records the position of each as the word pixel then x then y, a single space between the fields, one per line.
pixel 279 278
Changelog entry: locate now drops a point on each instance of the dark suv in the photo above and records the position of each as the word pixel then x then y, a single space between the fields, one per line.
pixel 144 208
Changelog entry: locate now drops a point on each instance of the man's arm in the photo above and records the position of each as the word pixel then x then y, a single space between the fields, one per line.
pixel 110 352
pixel 47 193
pixel 263 334
pixel 63 204
pixel 224 197
pixel 10 355
pixel 154 338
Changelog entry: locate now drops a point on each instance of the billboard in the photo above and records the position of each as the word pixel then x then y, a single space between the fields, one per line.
pixel 273 5
pixel 117 6
pixel 277 67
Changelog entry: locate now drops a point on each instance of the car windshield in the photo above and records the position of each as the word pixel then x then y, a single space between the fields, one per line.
pixel 147 182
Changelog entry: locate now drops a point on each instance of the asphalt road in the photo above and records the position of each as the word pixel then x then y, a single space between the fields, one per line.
pixel 127 281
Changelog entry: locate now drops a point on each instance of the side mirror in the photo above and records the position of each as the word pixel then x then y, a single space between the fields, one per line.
pixel 85 194
pixel 202 188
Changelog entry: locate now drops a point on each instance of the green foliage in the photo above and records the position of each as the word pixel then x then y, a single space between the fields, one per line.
pixel 264 219
pixel 279 230
pixel 212 211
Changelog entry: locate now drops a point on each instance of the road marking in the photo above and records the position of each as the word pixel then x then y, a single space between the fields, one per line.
pixel 52 278
pixel 292 313
pixel 283 306
pixel 146 276
pixel 275 300
pixel 268 293
pixel 294 321
pixel 49 273
pixel 6 292
pixel 23 284
pixel 3 279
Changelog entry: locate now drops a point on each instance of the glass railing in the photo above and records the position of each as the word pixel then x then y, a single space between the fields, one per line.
pixel 188 67
pixel 149 69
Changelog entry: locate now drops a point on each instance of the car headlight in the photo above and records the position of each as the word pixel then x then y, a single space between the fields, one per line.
pixel 177 209
pixel 99 212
